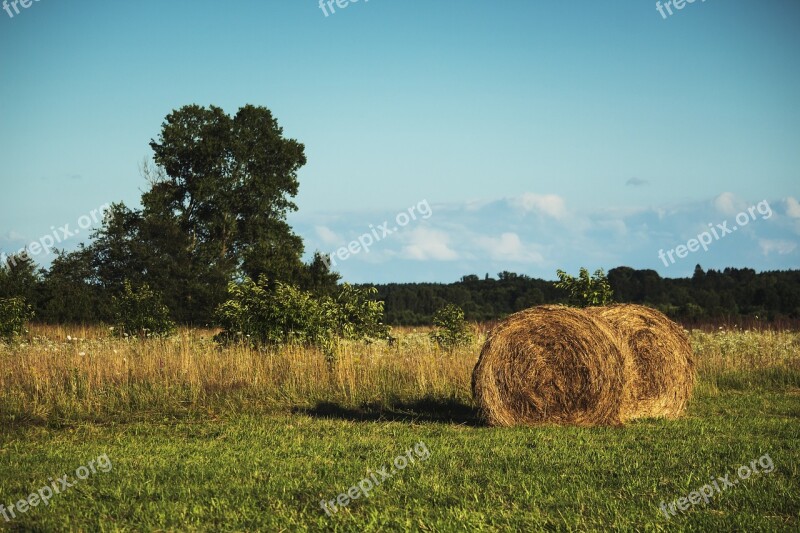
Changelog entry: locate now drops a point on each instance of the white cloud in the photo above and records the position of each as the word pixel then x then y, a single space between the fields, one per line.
pixel 13 235
pixel 523 234
pixel 617 226
pixel 549 204
pixel 475 205
pixel 428 244
pixel 780 247
pixel 727 204
pixel 509 247
pixel 327 235
pixel 792 208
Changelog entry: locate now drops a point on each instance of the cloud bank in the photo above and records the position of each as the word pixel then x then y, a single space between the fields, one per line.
pixel 537 233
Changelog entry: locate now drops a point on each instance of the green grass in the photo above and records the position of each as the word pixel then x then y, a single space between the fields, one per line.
pixel 204 439
pixel 247 472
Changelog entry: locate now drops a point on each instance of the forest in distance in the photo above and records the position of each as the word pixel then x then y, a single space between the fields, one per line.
pixel 733 296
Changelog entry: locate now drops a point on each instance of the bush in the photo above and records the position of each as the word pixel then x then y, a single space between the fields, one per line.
pixel 451 328
pixel 260 315
pixel 140 313
pixel 263 316
pixel 353 314
pixel 14 315
pixel 585 290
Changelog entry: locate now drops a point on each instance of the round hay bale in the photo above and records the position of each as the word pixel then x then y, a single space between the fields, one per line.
pixel 664 368
pixel 551 364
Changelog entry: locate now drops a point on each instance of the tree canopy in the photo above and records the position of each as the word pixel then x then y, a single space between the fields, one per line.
pixel 219 190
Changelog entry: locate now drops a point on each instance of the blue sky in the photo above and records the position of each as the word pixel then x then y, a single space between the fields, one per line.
pixel 543 135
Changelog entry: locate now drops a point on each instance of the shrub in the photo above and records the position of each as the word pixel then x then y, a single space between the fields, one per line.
pixel 14 315
pixel 263 315
pixel 585 290
pixel 141 313
pixel 451 328
pixel 353 314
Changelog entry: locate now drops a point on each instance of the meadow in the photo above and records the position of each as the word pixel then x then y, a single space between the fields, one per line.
pixel 235 439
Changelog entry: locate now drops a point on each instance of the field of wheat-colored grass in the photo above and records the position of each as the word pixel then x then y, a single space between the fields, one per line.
pixel 61 374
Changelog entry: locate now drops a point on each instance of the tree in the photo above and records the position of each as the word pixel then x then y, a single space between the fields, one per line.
pixel 119 252
pixel 19 277
pixel 586 290
pixel 14 314
pixel 220 188
pixel 72 292
pixel 227 186
pixel 451 328
pixel 698 276
pixel 139 312
pixel 318 278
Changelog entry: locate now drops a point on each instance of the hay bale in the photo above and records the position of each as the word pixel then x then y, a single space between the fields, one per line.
pixel 664 368
pixel 551 364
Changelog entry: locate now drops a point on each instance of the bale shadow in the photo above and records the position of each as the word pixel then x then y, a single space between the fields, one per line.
pixel 425 410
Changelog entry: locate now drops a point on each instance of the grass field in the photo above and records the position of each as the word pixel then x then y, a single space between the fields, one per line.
pixel 207 439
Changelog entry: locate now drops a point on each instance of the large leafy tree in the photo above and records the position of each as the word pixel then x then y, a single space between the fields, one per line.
pixel 219 191
pixel 215 211
pixel 227 186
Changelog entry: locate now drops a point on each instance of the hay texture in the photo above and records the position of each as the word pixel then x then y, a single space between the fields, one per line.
pixel 664 368
pixel 552 365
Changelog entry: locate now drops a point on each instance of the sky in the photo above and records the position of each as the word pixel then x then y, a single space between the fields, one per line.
pixel 532 135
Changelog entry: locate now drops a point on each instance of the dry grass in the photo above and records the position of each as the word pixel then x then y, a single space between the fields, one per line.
pixel 50 379
pixel 732 359
pixel 94 375
pixel 553 364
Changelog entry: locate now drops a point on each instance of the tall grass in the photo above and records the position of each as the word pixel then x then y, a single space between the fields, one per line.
pixel 741 360
pixel 62 374
pixel 92 376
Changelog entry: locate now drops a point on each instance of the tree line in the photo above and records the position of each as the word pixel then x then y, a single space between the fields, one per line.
pixel 732 295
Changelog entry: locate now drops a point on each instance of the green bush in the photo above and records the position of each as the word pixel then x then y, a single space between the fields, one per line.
pixel 140 313
pixel 353 314
pixel 14 315
pixel 585 290
pixel 451 328
pixel 261 315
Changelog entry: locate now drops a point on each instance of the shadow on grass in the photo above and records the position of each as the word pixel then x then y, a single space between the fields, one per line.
pixel 425 410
